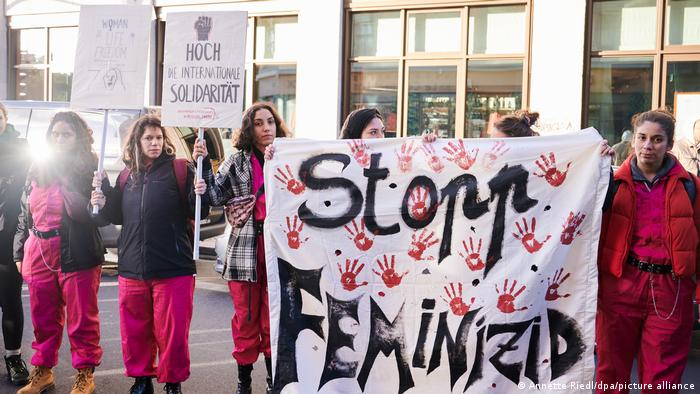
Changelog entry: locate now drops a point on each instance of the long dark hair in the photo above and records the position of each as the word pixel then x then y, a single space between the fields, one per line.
pixel 356 121
pixel 245 138
pixel 519 124
pixel 132 154
pixel 75 165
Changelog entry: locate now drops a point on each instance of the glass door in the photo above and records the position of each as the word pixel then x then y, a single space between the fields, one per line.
pixel 431 98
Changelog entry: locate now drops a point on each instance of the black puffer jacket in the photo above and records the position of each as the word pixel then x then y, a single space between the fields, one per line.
pixel 81 242
pixel 14 162
pixel 154 241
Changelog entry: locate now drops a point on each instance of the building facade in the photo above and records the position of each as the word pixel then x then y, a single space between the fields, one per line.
pixel 442 65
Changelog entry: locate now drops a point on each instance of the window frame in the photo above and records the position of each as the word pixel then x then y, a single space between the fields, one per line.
pixel 253 62
pixel 406 59
pixel 47 89
pixel 661 54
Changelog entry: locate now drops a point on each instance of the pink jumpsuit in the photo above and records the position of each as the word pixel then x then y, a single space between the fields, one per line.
pixel 50 290
pixel 635 311
pixel 250 324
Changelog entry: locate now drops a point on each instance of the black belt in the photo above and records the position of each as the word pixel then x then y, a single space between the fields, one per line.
pixel 646 266
pixel 45 234
pixel 258 227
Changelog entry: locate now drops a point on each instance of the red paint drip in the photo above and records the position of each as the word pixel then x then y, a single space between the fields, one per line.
pixel 381 294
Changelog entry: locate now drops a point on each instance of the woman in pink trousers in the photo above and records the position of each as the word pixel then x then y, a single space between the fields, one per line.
pixel 61 253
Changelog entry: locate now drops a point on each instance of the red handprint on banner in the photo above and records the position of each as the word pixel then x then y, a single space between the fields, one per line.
pixel 420 243
pixel 418 203
pixel 359 150
pixel 473 257
pixel 458 154
pixel 505 300
pixel 405 155
pixel 549 170
pixel 455 301
pixel 293 231
pixel 388 272
pixel 358 235
pixel 571 228
pixel 527 236
pixel 553 288
pixel 292 184
pixel 497 150
pixel 348 278
pixel 432 158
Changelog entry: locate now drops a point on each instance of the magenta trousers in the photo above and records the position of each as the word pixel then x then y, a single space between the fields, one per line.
pixel 155 318
pixel 57 299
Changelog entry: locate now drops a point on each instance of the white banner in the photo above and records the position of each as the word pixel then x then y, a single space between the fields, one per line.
pixel 204 69
pixel 458 266
pixel 111 57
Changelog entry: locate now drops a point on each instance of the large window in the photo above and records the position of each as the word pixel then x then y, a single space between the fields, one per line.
pixel 446 70
pixel 642 52
pixel 274 64
pixel 44 60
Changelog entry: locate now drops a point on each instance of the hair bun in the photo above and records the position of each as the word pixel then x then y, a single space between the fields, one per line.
pixel 528 118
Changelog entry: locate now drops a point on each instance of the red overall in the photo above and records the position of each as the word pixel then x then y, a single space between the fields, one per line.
pixel 642 314
pixel 50 290
pixel 155 319
pixel 250 324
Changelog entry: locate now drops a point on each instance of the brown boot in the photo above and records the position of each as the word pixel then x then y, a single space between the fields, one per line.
pixel 84 381
pixel 40 380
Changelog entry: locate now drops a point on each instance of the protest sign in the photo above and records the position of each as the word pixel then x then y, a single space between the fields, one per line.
pixel 111 57
pixel 458 266
pixel 204 69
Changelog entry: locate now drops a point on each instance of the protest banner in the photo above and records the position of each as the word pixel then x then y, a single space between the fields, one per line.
pixel 396 266
pixel 203 73
pixel 203 69
pixel 111 57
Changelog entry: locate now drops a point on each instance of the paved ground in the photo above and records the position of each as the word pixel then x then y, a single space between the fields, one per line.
pixel 213 368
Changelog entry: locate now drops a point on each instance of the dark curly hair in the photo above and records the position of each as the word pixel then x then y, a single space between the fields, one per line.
pixel 245 138
pixel 75 165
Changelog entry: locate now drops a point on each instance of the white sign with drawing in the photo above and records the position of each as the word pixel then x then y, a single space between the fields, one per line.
pixel 204 69
pixel 111 57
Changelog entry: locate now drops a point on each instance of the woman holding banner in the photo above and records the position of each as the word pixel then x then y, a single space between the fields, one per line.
pixel 647 258
pixel 61 253
pixel 239 182
pixel 153 199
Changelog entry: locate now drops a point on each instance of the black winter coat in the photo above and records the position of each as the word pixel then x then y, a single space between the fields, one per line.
pixel 14 163
pixel 154 241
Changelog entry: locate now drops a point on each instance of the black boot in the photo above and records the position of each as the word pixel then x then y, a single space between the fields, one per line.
pixel 142 385
pixel 172 388
pixel 16 370
pixel 268 366
pixel 244 379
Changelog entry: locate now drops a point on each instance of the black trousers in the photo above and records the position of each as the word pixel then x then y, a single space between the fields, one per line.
pixel 11 304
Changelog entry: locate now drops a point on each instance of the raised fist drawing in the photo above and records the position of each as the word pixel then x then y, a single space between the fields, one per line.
pixel 203 27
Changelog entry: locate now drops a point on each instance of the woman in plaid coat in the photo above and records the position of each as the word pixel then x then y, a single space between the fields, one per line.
pixel 240 178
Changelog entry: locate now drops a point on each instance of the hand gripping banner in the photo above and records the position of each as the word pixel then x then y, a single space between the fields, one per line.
pixel 397 266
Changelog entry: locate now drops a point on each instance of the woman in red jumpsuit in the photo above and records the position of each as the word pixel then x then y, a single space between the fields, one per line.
pixel 648 257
